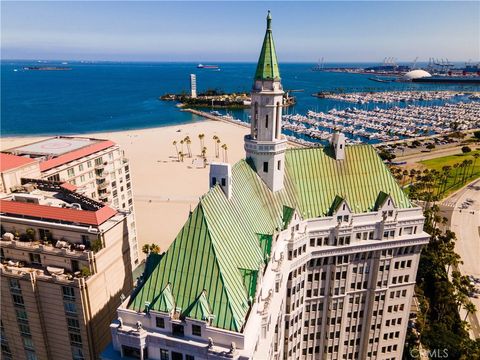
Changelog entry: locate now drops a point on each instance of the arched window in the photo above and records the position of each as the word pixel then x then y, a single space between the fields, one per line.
pixel 255 120
pixel 278 122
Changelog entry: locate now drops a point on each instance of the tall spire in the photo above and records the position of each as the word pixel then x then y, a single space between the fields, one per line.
pixel 267 67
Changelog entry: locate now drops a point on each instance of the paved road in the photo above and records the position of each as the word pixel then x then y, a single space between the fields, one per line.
pixel 420 156
pixel 466 225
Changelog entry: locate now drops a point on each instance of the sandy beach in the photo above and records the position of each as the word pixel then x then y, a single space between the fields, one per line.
pixel 165 189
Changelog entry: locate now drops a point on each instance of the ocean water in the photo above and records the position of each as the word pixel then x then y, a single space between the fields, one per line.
pixel 119 96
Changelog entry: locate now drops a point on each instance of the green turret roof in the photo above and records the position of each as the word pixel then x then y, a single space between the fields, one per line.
pixel 267 67
pixel 211 268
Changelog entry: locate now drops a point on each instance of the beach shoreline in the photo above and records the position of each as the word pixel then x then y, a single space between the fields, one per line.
pixel 165 189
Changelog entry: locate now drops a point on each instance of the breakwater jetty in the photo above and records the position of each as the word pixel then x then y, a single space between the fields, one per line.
pixel 229 119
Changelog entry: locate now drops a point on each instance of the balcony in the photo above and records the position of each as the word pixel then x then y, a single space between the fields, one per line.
pixel 103 185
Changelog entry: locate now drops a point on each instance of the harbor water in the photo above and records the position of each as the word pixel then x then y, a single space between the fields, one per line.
pixel 110 96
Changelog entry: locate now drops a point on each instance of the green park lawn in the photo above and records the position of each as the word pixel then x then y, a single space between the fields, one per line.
pixel 439 163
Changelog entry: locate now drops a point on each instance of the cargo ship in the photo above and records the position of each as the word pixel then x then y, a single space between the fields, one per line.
pixel 201 66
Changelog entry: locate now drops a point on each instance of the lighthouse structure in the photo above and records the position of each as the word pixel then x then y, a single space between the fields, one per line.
pixel 265 145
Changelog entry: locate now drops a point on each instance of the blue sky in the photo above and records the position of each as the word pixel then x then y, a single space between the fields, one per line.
pixel 233 31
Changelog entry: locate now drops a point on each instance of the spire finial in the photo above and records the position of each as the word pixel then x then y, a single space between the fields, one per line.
pixel 269 20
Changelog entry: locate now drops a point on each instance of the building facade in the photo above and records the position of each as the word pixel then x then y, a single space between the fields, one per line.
pixel 292 254
pixel 96 168
pixel 65 267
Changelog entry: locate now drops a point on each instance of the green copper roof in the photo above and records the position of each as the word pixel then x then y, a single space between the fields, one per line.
pixel 267 67
pixel 212 266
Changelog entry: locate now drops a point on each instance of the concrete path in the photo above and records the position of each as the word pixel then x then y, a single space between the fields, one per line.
pixel 464 220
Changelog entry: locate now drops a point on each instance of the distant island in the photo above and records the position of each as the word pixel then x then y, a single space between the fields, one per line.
pixel 215 98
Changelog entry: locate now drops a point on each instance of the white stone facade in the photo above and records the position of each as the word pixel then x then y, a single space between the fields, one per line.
pixel 332 290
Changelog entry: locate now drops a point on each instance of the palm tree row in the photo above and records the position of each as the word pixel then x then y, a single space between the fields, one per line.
pixel 430 184
pixel 181 154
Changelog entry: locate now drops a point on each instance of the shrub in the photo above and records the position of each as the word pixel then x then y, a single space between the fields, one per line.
pixel 466 149
pixel 476 134
pixel 85 271
pixel 430 146
pixel 96 245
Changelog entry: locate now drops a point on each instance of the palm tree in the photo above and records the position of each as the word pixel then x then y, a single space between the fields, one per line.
pixel 188 142
pixel 201 137
pixel 225 148
pixel 181 143
pixel 181 155
pixel 204 152
pixel 217 147
pixel 455 166
pixel 176 147
pixel 470 308
pixel 216 140
pixel 475 157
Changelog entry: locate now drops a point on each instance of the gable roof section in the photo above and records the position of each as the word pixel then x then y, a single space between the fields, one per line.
pixel 318 178
pixel 213 263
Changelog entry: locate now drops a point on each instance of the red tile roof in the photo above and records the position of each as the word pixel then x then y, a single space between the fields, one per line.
pixel 9 161
pixel 68 186
pixel 74 155
pixel 56 213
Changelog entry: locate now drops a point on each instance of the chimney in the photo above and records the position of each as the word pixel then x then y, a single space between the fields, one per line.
pixel 338 144
pixel 221 173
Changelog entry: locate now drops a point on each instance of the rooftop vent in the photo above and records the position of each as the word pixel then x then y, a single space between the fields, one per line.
pixel 338 143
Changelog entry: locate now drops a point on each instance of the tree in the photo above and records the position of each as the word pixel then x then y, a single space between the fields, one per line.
pixel 386 155
pixel 466 149
pixel 225 148
pixel 430 146
pixel 476 134
pixel 176 148
pixel 201 137
pixel 470 308
pixel 151 248
pixel 188 142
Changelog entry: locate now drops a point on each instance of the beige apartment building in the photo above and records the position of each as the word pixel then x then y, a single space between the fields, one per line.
pixel 65 267
pixel 95 168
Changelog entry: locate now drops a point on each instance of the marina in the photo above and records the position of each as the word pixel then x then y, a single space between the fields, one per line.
pixel 389 97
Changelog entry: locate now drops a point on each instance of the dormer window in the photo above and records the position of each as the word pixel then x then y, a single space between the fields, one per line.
pixel 196 330
pixel 177 330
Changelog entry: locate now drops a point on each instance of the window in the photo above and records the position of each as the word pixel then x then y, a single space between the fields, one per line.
pixel 55 177
pixel 89 164
pixel 279 165
pixel 98 161
pixel 15 286
pixel 70 307
pixel 35 258
pixel 73 325
pixel 82 178
pixel 30 355
pixel 27 342
pixel 189 357
pixel 80 167
pixel 177 330
pixel 68 293
pixel 71 172
pixel 266 121
pixel 44 234
pixel 177 356
pixel 160 322
pixel 18 300
pixel 164 354
pixel 224 182
pixel 265 167
pixel 75 339
pixel 196 330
